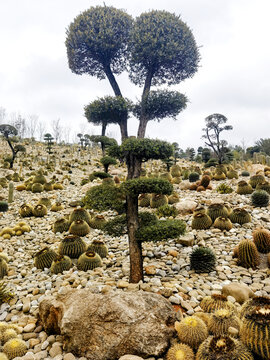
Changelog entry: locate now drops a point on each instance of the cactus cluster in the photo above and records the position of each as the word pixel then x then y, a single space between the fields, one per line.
pixel 17 230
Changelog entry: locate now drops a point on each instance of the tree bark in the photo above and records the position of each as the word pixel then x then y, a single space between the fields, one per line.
pixel 117 92
pixel 103 132
pixel 135 247
pixel 112 80
pixel 13 153
pixel 143 116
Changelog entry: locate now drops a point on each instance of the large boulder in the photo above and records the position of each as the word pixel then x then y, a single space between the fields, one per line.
pixel 186 206
pixel 108 326
pixel 241 292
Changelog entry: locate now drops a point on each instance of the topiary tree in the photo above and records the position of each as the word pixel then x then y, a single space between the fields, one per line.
pixel 106 161
pixel 107 110
pixel 214 126
pixel 104 141
pixel 49 140
pixel 159 49
pixel 176 151
pixel 97 45
pixel 8 133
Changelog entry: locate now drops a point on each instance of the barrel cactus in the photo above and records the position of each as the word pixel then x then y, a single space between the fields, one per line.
pixel 243 188
pixel 144 200
pixel 15 348
pixel 44 258
pixel 248 255
pixel 89 261
pixel 40 210
pixel 72 246
pixel 158 200
pixel 223 223
pixel 180 351
pixel 98 247
pixel 98 222
pixel 26 210
pixel 193 177
pixel 61 263
pixel 3 206
pixel 261 238
pixel 80 214
pixel 202 260
pixel 57 207
pixel 191 331
pixel 216 210
pixel 223 348
pixel 79 227
pixel 256 179
pixel 210 304
pixel 260 198
pixel 255 329
pixel 61 225
pixel 264 186
pixel 221 320
pixel 201 221
pixel 240 216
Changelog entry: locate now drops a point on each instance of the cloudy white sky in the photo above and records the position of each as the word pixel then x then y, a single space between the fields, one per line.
pixel 234 77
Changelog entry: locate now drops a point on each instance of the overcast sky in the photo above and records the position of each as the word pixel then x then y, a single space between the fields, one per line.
pixel 233 78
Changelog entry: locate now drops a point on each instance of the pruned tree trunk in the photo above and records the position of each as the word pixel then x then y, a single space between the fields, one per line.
pixel 135 247
pixel 13 153
pixel 103 132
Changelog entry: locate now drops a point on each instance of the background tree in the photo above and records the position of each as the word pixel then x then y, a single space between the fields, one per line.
pixel 3 114
pixel 214 126
pixel 264 145
pixel 57 129
pixel 160 49
pixel 19 122
pixel 190 153
pixel 8 132
pixel 206 155
pixel 41 129
pixel 32 125
pixel 81 139
pixel 176 151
